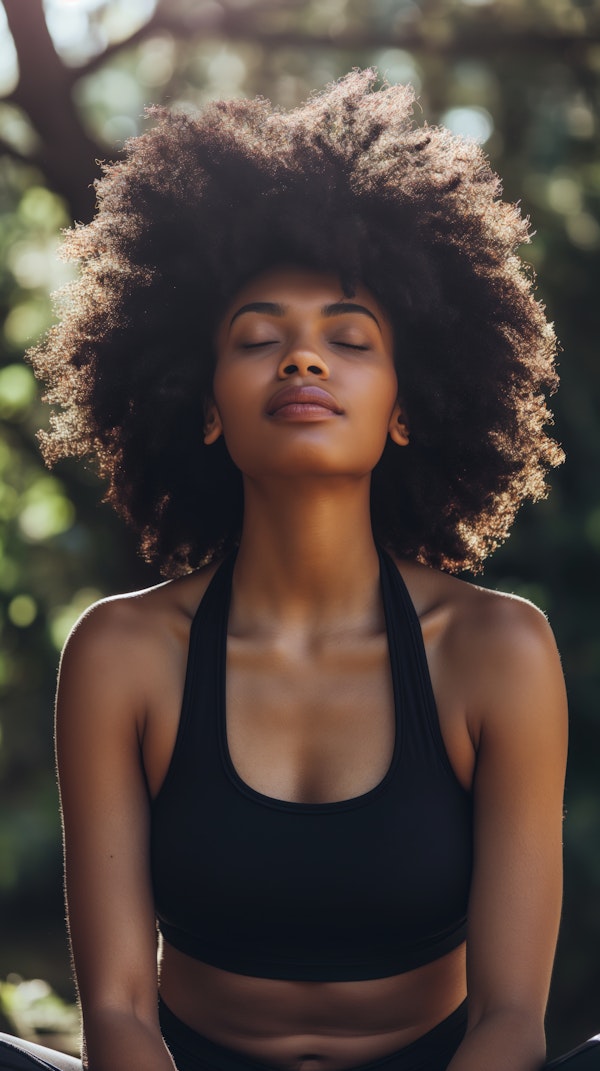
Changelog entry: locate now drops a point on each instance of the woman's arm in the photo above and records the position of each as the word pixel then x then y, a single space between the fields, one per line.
pixel 517 718
pixel 101 706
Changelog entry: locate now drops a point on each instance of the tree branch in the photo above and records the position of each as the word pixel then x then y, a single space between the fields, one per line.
pixel 207 23
pixel 471 41
pixel 67 154
pixel 477 38
pixel 155 25
pixel 6 149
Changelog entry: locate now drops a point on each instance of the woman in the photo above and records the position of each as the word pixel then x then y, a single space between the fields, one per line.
pixel 311 369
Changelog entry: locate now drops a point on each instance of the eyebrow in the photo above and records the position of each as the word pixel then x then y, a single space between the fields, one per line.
pixel 271 308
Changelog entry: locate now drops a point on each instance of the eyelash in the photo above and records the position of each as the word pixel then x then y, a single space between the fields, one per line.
pixel 258 345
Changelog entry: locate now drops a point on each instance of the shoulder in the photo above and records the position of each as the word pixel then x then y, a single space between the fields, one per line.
pixel 123 639
pixel 495 621
pixel 498 650
pixel 501 631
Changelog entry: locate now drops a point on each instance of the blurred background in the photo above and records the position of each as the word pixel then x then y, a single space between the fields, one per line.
pixel 522 77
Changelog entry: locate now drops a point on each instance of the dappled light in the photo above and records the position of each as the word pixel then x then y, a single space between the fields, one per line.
pixel 523 81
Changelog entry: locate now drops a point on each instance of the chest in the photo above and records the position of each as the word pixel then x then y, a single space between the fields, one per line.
pixel 309 822
pixel 314 726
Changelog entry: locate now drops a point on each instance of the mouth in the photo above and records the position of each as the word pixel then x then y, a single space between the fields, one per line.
pixel 299 399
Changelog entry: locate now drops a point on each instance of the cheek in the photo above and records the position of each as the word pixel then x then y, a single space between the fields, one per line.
pixel 238 415
pixel 229 392
pixel 378 410
pixel 381 397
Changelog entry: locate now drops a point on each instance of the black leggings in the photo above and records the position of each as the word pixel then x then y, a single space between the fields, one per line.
pixel 193 1052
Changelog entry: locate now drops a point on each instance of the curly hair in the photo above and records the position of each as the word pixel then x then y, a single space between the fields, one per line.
pixel 345 184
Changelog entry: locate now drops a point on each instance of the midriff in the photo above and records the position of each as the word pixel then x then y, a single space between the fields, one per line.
pixel 336 1024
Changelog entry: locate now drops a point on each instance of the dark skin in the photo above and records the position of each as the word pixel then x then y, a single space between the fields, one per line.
pixel 306 594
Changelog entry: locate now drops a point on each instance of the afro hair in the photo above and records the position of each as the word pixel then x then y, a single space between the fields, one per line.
pixel 346 184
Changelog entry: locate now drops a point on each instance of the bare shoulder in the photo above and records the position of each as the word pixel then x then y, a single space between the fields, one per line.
pixel 475 614
pixel 504 635
pixel 125 639
pixel 500 628
pixel 497 649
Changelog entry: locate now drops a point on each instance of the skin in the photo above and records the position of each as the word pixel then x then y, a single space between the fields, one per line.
pixel 306 592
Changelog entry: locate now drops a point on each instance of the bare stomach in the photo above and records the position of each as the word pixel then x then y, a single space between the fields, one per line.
pixel 311 1026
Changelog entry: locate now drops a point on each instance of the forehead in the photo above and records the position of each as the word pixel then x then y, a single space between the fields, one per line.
pixel 301 288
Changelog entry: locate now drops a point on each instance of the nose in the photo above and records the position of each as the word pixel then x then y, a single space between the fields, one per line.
pixel 303 362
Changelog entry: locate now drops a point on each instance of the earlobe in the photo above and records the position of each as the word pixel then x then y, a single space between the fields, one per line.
pixel 398 428
pixel 212 424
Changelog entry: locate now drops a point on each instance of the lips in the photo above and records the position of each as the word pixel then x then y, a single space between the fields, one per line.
pixel 313 396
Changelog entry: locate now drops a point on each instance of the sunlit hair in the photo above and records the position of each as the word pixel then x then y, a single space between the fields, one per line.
pixel 345 184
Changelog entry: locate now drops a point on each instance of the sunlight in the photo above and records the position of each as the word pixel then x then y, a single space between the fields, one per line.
pixel 83 28
pixel 9 67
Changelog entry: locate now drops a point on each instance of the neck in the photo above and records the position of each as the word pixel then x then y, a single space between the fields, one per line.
pixel 307 555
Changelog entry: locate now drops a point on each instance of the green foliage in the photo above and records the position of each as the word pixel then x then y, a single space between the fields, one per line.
pixel 522 77
pixel 33 1011
pixel 49 571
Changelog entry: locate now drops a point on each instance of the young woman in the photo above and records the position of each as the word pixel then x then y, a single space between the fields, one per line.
pixel 310 366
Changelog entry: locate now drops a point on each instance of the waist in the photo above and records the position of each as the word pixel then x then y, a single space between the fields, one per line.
pixel 433 1050
pixel 273 1020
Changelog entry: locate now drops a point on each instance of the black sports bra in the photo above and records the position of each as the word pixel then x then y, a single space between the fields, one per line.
pixel 360 888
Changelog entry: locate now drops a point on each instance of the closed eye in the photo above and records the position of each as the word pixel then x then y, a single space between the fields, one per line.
pixel 351 346
pixel 257 345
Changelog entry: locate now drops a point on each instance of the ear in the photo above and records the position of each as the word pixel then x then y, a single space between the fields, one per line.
pixel 213 427
pixel 398 429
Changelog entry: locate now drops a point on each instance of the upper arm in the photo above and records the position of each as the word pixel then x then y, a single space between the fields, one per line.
pixel 518 712
pixel 100 709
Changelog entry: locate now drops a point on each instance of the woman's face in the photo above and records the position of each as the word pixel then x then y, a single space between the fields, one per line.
pixel 305 381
